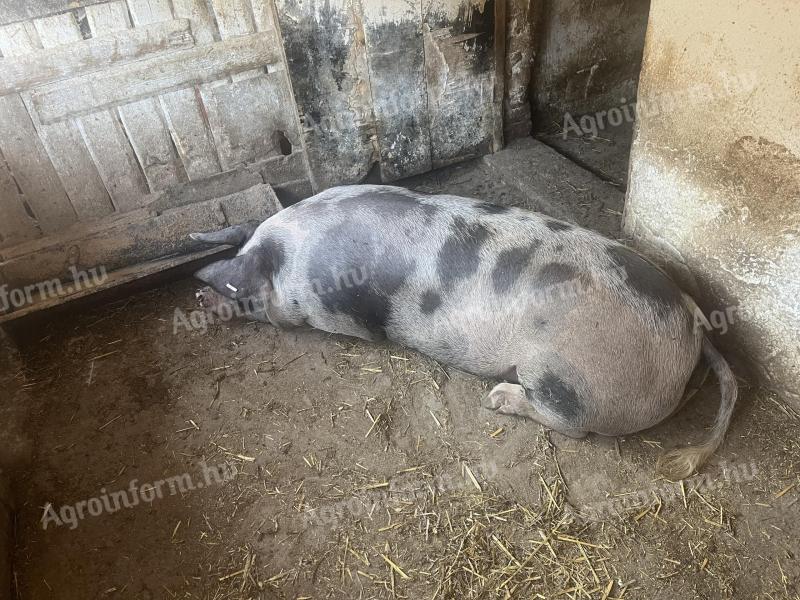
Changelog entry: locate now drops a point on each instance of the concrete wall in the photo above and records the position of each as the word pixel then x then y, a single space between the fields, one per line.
pixel 588 56
pixel 714 186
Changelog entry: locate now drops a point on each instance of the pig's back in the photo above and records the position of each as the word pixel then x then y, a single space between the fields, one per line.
pixel 469 283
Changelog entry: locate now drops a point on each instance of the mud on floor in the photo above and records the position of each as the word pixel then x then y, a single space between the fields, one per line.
pixel 357 470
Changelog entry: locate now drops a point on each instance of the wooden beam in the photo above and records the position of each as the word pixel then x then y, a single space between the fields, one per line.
pixel 12 11
pixel 138 237
pixel 148 77
pixel 20 73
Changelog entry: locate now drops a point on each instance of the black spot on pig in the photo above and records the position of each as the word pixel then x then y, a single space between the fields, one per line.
pixel 491 209
pixel 430 211
pixel 459 257
pixel 510 375
pixel 560 397
pixel 246 275
pixel 430 302
pixel 555 273
pixel 356 277
pixel 274 255
pixel 387 203
pixel 645 279
pixel 510 265
pixel 558 226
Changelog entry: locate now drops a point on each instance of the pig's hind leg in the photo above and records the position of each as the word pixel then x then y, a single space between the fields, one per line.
pixel 512 399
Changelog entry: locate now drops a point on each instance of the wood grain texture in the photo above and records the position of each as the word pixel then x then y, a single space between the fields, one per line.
pixel 245 116
pixel 263 15
pixel 113 154
pixel 150 138
pixel 63 141
pixel 16 225
pixel 327 62
pixel 18 39
pixel 396 53
pixel 234 17
pixel 203 28
pixel 23 72
pixel 147 12
pixel 31 167
pixel 58 30
pixel 143 120
pixel 460 70
pixel 185 116
pixel 25 10
pixel 151 76
pixel 140 237
pixel 105 19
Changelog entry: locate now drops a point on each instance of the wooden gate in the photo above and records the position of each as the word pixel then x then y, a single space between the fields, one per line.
pixel 126 124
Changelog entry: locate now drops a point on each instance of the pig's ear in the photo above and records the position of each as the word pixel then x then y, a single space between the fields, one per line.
pixel 244 276
pixel 233 236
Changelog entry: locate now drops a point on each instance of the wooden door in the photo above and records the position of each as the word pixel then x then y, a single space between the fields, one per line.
pixel 113 112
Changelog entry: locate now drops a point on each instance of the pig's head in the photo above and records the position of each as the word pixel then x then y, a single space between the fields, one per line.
pixel 245 280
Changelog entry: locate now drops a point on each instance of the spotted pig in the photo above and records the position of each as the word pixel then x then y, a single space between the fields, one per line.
pixel 585 334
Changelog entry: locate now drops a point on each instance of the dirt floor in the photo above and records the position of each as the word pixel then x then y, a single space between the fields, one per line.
pixel 358 470
pixel 606 154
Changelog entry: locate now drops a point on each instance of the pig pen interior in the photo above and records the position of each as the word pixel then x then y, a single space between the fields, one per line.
pixel 269 464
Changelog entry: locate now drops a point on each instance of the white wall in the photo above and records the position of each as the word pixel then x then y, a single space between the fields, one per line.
pixel 714 182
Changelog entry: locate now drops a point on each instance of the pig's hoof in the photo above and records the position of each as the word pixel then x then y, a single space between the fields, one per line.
pixel 508 399
pixel 209 299
pixel 202 297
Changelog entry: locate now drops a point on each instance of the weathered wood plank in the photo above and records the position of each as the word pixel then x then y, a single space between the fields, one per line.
pixel 76 169
pixel 161 153
pixel 105 19
pixel 263 15
pixel 112 153
pixel 152 144
pixel 16 225
pixel 234 17
pixel 58 30
pixel 64 143
pixel 246 116
pixel 100 283
pixel 143 121
pixel 147 12
pixel 26 10
pixel 151 76
pixel 197 12
pixel 397 72
pixel 18 39
pixel 185 118
pixel 142 237
pixel 31 167
pixel 460 68
pixel 327 63
pixel 45 66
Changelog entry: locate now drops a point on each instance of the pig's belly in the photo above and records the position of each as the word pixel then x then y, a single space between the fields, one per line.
pixel 468 334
